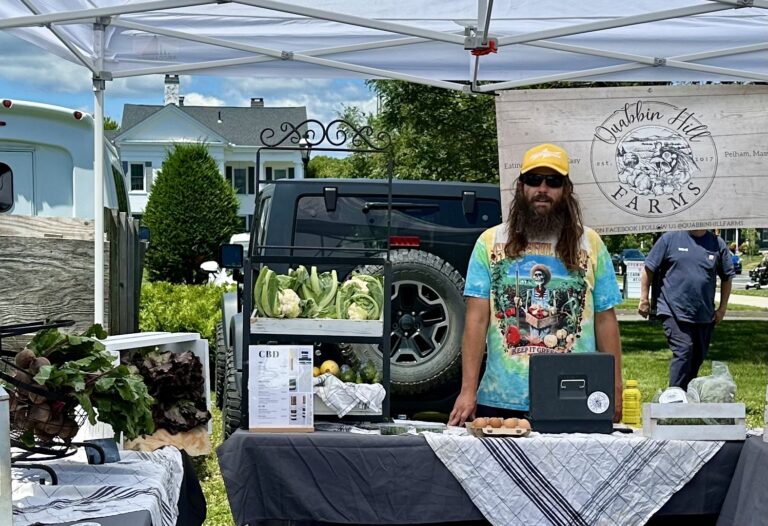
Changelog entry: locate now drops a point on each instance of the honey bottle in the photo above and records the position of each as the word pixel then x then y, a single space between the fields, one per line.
pixel 631 402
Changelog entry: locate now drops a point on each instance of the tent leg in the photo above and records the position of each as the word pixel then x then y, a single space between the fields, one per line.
pixel 99 84
pixel 98 203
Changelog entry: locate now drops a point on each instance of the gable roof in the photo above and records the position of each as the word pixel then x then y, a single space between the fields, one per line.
pixel 240 125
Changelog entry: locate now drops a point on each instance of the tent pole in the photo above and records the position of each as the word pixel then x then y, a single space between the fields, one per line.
pixel 573 75
pixel 370 23
pixel 98 178
pixel 98 203
pixel 613 23
pixel 97 12
pixel 299 57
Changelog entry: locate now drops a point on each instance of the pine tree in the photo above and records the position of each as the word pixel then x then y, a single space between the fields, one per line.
pixel 191 211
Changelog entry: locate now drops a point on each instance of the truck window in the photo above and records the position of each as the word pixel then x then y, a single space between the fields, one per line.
pixel 266 204
pixel 439 223
pixel 6 187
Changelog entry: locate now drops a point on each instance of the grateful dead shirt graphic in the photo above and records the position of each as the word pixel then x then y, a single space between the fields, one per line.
pixel 538 303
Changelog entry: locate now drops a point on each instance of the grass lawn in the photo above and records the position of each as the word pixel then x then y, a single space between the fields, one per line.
pixel 743 345
pixel 631 304
pixel 751 292
pixel 208 472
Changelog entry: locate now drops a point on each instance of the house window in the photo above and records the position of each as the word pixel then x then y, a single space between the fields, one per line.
pixel 279 173
pixel 241 177
pixel 243 223
pixel 137 177
pixel 6 187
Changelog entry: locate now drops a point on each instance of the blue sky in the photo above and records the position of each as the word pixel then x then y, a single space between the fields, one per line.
pixel 29 73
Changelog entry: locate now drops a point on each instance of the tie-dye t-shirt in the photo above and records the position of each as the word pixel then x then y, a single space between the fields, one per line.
pixel 537 305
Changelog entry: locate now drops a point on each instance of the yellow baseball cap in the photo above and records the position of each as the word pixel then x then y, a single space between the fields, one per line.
pixel 545 155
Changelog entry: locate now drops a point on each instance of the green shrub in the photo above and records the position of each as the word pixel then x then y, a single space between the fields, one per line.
pixel 190 212
pixel 181 308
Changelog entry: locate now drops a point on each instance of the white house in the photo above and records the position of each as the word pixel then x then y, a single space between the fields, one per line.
pixel 232 135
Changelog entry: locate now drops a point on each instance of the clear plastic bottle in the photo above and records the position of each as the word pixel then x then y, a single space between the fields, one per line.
pixel 631 401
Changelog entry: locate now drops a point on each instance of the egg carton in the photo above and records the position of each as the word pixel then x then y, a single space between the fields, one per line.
pixel 487 431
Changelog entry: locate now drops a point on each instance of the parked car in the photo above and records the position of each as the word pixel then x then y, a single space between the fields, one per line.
pixel 736 260
pixel 434 229
pixel 628 254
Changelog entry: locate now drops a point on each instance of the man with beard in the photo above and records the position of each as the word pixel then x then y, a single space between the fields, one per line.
pixel 543 230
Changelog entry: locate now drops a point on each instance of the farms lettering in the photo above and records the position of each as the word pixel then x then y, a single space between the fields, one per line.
pixel 634 113
pixel 653 159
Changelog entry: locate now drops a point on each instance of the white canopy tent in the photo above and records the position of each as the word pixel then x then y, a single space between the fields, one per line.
pixel 425 41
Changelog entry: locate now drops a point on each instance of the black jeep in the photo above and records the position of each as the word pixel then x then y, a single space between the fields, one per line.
pixel 433 231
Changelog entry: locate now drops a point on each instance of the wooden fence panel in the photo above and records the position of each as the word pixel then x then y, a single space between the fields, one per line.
pixel 126 257
pixel 46 272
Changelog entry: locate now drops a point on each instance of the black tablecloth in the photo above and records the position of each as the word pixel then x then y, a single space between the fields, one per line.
pixel 368 479
pixel 746 503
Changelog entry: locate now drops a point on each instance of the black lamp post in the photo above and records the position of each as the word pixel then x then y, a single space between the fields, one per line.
pixel 306 150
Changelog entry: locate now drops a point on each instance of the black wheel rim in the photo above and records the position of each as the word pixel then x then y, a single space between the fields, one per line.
pixel 419 322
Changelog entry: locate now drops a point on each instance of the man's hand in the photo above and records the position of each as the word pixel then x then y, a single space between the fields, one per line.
pixel 719 315
pixel 463 409
pixel 644 308
pixel 617 403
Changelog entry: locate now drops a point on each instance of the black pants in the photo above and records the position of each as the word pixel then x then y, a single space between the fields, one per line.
pixel 689 343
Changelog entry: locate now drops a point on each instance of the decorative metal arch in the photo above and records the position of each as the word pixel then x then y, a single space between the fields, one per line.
pixel 339 133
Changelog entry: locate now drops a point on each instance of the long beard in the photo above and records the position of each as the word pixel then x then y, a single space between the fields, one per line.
pixel 538 224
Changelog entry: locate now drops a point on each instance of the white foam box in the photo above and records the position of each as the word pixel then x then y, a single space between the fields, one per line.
pixel 654 413
pixel 166 341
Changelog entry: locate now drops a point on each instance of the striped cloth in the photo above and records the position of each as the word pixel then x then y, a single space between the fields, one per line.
pixel 140 481
pixel 343 397
pixel 574 479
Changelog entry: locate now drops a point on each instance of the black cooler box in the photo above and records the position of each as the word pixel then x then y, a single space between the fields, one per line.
pixel 572 393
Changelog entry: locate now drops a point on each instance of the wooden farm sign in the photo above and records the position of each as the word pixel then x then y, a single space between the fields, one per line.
pixel 647 159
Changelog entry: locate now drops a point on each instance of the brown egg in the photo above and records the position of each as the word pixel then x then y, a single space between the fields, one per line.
pixel 480 422
pixel 495 422
pixel 510 422
pixel 523 424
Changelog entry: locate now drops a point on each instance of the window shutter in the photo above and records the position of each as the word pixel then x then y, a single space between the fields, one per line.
pixel 148 179
pixel 291 173
pixel 228 175
pixel 125 170
pixel 268 169
pixel 251 177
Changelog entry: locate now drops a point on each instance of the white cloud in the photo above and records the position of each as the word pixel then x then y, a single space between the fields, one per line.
pixel 198 99
pixel 32 66
pixel 323 98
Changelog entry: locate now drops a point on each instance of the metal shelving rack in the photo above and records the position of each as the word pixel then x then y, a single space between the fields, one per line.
pixel 342 136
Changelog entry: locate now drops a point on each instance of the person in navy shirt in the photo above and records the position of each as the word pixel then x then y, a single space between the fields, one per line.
pixel 690 263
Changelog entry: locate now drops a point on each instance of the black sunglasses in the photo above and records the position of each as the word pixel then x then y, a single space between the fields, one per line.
pixel 535 180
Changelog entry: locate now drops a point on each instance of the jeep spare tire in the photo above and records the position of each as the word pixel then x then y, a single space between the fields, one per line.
pixel 427 322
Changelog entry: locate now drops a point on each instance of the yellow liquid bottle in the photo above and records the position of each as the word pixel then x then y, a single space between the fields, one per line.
pixel 631 404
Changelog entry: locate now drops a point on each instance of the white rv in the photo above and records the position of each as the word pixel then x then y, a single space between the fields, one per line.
pixel 46 162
